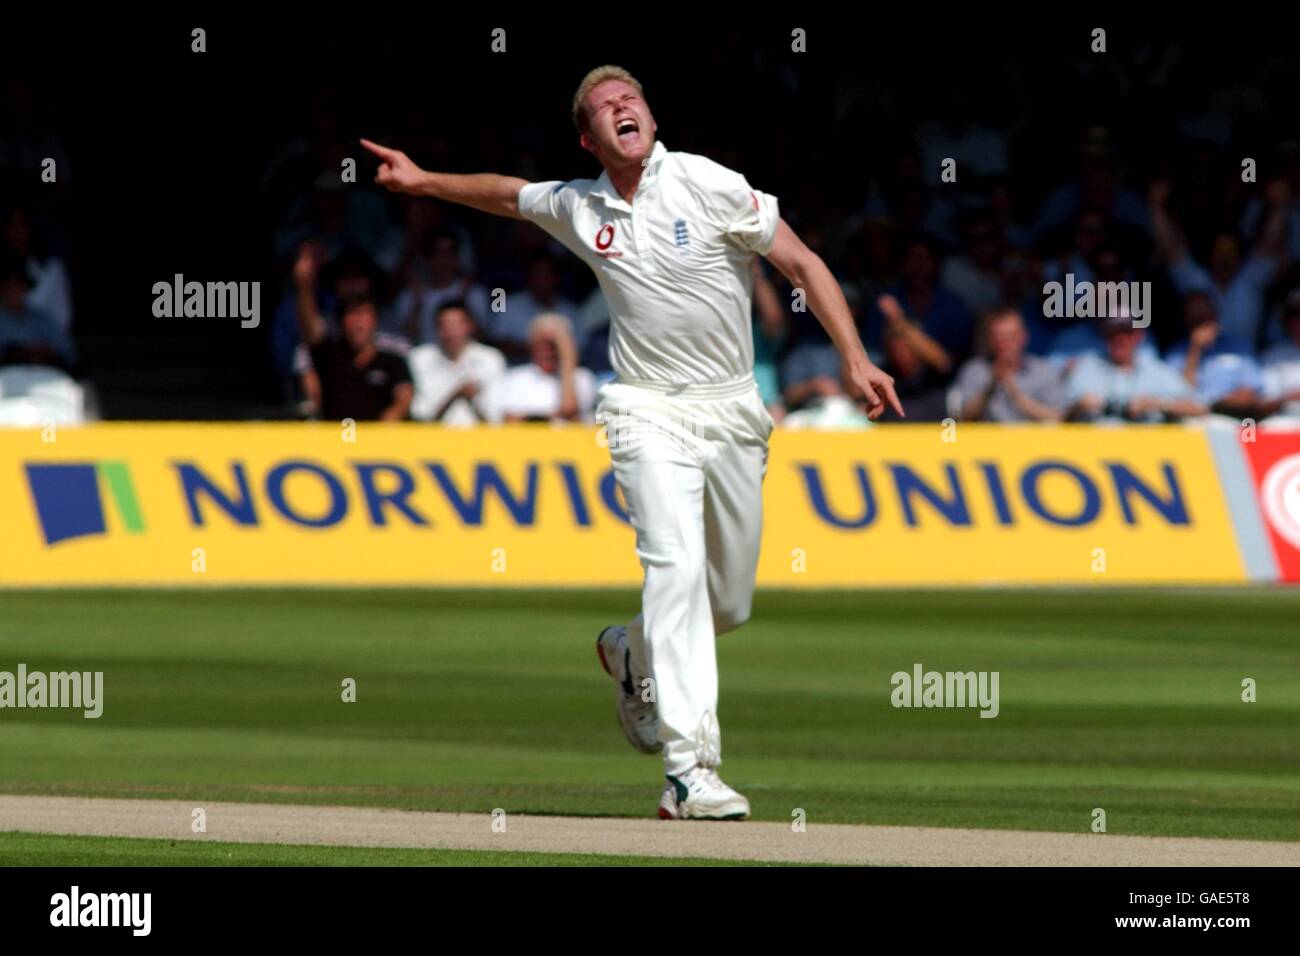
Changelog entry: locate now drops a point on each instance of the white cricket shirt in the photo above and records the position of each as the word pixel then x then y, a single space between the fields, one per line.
pixel 675 264
pixel 437 378
pixel 527 391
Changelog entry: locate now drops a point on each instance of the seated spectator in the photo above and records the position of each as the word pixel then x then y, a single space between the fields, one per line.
pixel 552 385
pixel 919 365
pixel 418 303
pixel 453 377
pixel 1072 338
pixel 1282 362
pixel 831 411
pixel 511 329
pixel 939 312
pixel 1221 371
pixel 1127 384
pixel 51 290
pixel 810 372
pixel 358 379
pixel 1006 384
pixel 28 335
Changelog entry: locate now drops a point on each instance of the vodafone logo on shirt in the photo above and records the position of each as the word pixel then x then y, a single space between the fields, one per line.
pixel 605 239
pixel 1275 460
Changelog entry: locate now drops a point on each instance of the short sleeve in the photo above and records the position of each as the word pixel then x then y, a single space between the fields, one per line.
pixel 549 206
pixel 748 217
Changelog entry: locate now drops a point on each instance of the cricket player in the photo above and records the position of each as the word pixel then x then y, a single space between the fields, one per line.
pixel 671 238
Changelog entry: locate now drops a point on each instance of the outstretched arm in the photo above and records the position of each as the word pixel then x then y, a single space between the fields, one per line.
pixel 805 270
pixel 486 192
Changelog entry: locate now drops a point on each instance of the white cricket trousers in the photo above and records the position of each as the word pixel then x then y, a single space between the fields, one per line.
pixel 690 462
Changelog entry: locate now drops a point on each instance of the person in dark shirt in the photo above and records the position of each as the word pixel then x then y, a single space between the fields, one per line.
pixel 358 379
pixel 939 312
pixel 919 370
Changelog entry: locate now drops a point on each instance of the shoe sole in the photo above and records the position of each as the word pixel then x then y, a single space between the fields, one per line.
pixel 666 814
pixel 628 729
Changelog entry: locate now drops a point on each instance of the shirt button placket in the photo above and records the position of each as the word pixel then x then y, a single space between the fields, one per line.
pixel 639 233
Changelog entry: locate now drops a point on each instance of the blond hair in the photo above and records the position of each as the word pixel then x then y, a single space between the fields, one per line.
pixel 592 80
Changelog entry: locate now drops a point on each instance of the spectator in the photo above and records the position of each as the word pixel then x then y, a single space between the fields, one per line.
pixel 1127 384
pixel 1236 287
pixel 51 290
pixel 352 279
pixel 1282 362
pixel 454 376
pixel 939 312
pixel 1006 384
pixel 418 303
pixel 511 330
pixel 1075 338
pixel 831 411
pixel 358 379
pixel 919 365
pixel 552 385
pixel 28 335
pixel 1096 189
pixel 975 276
pixel 1223 373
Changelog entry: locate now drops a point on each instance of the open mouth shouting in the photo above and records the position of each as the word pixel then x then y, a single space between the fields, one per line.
pixel 628 131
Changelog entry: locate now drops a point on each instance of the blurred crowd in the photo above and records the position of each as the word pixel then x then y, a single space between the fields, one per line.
pixel 945 212
pixel 948 290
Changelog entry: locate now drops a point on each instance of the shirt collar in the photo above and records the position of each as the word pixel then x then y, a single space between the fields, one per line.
pixel 606 191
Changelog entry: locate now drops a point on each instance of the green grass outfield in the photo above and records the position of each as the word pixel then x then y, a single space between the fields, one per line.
pixel 1126 700
pixel 37 849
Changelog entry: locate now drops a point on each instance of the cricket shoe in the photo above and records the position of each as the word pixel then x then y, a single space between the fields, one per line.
pixel 639 718
pixel 700 794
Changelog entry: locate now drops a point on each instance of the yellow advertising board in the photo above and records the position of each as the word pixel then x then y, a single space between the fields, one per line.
pixel 128 503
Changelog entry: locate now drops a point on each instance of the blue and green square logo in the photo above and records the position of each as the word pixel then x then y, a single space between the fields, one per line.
pixel 71 498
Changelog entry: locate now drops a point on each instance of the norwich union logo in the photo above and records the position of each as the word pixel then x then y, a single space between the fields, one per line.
pixel 70 498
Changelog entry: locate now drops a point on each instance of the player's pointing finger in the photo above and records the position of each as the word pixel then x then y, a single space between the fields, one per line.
pixel 383 152
pixel 890 396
